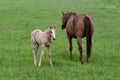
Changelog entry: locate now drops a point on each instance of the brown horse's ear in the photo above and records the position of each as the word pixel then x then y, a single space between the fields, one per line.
pixel 63 13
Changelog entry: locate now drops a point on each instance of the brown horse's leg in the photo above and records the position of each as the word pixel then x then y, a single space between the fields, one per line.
pixel 70 46
pixel 79 41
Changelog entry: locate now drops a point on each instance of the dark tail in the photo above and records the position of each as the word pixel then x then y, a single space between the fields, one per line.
pixel 88 26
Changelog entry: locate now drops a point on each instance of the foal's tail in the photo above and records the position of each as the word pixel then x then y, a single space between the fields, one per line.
pixel 33 39
pixel 89 31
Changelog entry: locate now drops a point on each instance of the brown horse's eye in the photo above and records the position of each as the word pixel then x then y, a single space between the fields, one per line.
pixel 64 20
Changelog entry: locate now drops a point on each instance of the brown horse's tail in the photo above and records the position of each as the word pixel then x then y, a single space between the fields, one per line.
pixel 88 28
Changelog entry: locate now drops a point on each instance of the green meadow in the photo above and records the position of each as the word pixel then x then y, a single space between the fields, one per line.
pixel 18 18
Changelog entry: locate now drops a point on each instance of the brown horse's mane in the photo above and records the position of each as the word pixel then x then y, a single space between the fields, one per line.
pixel 69 14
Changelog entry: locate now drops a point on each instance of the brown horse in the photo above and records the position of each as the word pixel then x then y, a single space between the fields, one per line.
pixel 78 26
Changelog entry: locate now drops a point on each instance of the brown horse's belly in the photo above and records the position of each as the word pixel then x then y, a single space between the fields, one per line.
pixel 83 36
pixel 71 34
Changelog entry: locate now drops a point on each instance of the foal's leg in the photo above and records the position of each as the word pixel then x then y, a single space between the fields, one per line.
pixel 41 55
pixel 35 47
pixel 70 46
pixel 34 50
pixel 49 54
pixel 79 41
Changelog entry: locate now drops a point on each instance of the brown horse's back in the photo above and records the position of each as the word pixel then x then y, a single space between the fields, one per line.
pixel 79 25
pixel 75 26
pixel 79 28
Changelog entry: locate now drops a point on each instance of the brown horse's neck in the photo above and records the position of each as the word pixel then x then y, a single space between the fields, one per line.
pixel 68 15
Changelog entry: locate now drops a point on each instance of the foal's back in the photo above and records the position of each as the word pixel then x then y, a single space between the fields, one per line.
pixel 37 35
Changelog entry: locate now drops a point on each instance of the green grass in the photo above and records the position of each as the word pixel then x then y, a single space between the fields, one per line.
pixel 19 17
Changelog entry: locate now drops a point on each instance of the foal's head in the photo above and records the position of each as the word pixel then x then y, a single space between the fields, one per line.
pixel 66 17
pixel 52 32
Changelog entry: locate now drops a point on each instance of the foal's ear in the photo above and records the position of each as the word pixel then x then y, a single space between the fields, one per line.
pixel 55 27
pixel 63 13
pixel 50 27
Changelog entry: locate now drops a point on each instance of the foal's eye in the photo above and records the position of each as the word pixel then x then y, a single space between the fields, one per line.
pixel 50 32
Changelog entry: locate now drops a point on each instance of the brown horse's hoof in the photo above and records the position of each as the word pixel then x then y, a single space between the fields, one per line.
pixel 87 60
pixel 71 57
pixel 82 62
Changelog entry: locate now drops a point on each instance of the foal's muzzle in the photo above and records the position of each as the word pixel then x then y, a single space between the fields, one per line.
pixel 53 38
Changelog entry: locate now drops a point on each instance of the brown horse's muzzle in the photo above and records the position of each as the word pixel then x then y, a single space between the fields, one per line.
pixel 63 26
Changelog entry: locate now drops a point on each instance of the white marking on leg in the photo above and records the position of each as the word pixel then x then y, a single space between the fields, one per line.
pixel 41 55
pixel 40 62
pixel 34 54
pixel 35 61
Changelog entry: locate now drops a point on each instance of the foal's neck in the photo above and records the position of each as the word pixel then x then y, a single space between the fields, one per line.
pixel 48 35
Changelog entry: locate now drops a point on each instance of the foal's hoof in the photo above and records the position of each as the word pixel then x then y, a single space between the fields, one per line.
pixel 39 64
pixel 51 63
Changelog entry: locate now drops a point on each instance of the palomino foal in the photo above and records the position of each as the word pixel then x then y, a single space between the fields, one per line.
pixel 43 39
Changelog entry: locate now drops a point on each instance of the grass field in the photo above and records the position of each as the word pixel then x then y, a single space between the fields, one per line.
pixel 19 17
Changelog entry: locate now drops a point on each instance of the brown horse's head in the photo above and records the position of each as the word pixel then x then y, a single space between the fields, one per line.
pixel 66 17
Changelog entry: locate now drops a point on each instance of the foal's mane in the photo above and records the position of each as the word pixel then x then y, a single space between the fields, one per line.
pixel 47 31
